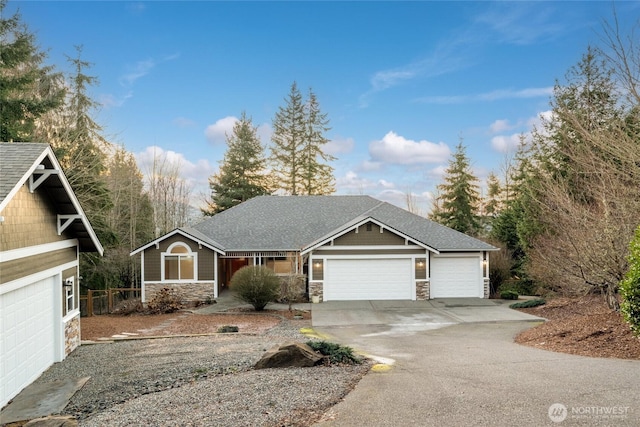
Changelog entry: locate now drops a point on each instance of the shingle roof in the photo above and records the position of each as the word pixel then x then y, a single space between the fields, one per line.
pixel 281 223
pixel 18 160
pixel 15 161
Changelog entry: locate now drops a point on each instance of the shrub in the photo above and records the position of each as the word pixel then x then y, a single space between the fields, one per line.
pixel 336 353
pixel 166 300
pixel 500 263
pixel 630 286
pixel 256 285
pixel 227 328
pixel 528 303
pixel 509 294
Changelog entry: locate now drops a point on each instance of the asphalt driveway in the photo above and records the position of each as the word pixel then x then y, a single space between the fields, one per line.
pixel 452 365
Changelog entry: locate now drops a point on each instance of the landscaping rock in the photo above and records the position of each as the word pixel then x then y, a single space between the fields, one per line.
pixel 53 421
pixel 291 354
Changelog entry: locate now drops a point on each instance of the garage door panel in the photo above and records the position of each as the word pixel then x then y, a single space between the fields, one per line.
pixel 27 346
pixel 455 277
pixel 365 279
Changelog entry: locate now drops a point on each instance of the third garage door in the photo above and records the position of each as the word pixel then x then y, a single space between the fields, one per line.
pixel 368 279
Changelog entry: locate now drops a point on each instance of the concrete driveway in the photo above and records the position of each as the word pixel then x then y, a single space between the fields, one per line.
pixel 455 363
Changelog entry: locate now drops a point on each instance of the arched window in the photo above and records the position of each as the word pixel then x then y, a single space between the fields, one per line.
pixel 179 263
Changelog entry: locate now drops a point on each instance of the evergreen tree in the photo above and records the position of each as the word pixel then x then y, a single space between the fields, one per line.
pixel 493 203
pixel 81 148
pixel 317 175
pixel 242 171
pixel 28 89
pixel 297 156
pixel 459 195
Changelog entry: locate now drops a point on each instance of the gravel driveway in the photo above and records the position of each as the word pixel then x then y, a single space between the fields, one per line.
pixel 199 381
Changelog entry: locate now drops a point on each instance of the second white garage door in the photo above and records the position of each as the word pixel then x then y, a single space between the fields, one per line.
pixel 368 279
pixel 456 277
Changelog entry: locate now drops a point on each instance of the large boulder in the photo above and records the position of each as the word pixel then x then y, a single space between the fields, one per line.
pixel 287 355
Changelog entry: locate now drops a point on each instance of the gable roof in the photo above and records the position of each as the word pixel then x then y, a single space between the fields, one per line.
pixel 294 223
pixel 19 161
pixel 189 233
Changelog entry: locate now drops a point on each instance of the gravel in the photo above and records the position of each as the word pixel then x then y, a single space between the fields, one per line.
pixel 199 381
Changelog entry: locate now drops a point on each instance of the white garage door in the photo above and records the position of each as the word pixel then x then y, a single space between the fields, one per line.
pixel 368 279
pixel 456 277
pixel 26 335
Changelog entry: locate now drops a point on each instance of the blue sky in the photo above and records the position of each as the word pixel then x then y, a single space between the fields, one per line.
pixel 401 82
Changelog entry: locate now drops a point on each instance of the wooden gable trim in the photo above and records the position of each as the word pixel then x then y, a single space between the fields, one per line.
pixel 43 173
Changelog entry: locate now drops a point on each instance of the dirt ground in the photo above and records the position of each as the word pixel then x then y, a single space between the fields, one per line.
pixel 179 323
pixel 583 326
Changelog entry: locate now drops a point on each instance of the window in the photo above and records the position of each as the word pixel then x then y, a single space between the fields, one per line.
pixel 69 293
pixel 179 263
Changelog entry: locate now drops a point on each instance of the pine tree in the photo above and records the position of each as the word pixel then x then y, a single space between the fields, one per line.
pixel 287 142
pixel 297 156
pixel 28 89
pixel 317 175
pixel 494 201
pixel 242 171
pixel 459 195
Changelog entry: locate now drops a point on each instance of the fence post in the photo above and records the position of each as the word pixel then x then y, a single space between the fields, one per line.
pixel 89 303
pixel 109 300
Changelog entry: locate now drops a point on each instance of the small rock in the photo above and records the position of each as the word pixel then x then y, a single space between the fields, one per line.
pixel 291 354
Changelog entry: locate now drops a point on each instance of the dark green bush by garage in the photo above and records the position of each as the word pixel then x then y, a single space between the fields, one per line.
pixel 256 285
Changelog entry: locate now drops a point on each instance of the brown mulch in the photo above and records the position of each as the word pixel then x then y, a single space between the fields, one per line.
pixel 179 323
pixel 584 326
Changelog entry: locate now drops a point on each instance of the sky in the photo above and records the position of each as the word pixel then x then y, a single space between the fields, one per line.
pixel 402 83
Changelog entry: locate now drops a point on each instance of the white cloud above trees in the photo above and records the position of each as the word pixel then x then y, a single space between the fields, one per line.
pixel 396 149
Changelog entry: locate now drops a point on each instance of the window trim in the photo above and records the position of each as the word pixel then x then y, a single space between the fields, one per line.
pixel 189 253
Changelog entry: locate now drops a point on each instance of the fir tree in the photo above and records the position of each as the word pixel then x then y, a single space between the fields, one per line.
pixel 242 171
pixel 28 89
pixel 458 196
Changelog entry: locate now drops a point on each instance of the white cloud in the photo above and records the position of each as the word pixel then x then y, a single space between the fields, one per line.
pixel 495 95
pixel 110 100
pixel 351 183
pixel 386 184
pixel 140 69
pixel 339 145
pixel 506 143
pixel 369 166
pixel 396 149
pixel 196 174
pixel 500 126
pixel 217 132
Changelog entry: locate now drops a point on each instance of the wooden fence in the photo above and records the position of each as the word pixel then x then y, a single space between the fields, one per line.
pixel 103 301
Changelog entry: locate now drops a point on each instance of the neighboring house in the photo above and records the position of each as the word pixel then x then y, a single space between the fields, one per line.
pixel 42 231
pixel 349 247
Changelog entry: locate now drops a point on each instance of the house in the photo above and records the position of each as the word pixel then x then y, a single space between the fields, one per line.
pixel 42 230
pixel 349 248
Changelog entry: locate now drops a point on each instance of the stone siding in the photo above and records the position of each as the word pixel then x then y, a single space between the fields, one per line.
pixel 316 289
pixel 189 292
pixel 71 335
pixel 486 288
pixel 423 289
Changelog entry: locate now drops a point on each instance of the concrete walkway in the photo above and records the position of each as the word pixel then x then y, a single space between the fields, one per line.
pixel 227 300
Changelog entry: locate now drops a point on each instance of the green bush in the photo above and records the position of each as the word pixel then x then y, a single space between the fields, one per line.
pixel 256 285
pixel 227 328
pixel 630 286
pixel 509 294
pixel 335 352
pixel 528 303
